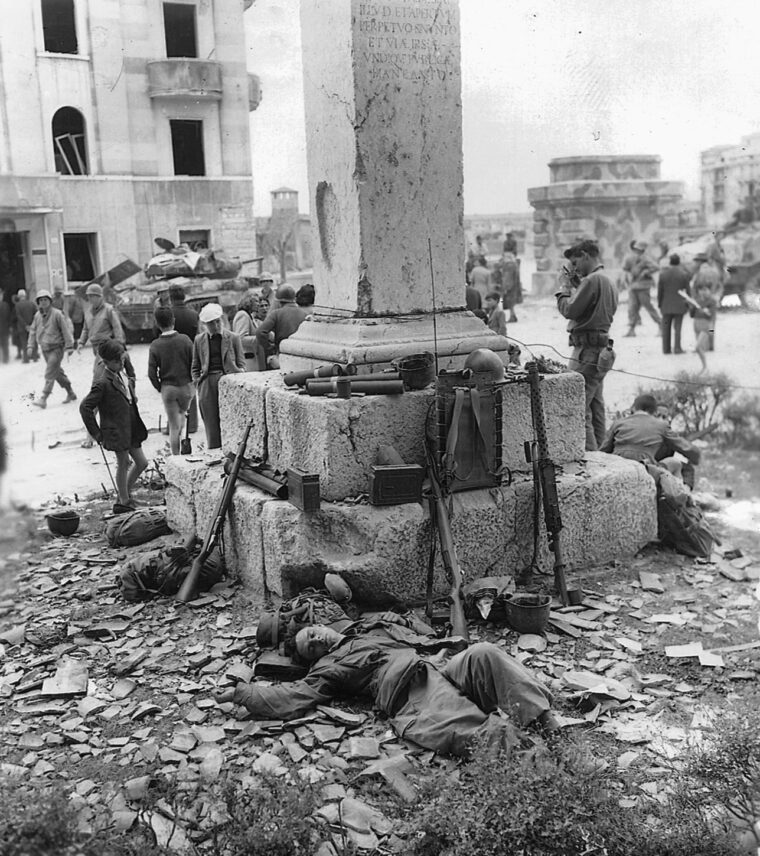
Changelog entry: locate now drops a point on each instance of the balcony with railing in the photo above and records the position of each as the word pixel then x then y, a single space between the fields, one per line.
pixel 181 77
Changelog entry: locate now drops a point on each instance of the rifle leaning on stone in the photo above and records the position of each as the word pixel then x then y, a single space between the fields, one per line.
pixel 190 585
pixel 439 519
pixel 547 482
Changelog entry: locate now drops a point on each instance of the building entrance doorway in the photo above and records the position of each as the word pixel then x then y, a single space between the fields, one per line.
pixel 12 276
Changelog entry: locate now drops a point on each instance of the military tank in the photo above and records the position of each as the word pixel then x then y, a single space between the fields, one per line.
pixel 206 276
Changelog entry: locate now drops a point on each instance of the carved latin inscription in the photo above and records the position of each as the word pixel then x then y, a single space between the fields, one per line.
pixel 417 40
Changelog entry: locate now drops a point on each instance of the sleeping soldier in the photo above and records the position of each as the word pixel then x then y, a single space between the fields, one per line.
pixel 481 693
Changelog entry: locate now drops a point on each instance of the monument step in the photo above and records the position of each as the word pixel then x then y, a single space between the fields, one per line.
pixel 607 503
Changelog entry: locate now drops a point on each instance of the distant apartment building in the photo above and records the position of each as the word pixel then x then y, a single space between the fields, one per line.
pixel 730 179
pixel 121 121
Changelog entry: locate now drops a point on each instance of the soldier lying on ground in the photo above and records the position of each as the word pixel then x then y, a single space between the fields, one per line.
pixel 481 693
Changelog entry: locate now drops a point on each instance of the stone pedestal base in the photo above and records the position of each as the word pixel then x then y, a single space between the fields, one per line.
pixel 339 438
pixel 608 511
pixel 371 343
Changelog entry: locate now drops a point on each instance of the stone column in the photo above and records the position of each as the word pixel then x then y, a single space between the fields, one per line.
pixel 382 85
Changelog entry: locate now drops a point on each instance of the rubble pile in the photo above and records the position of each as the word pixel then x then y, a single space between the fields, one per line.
pixel 106 696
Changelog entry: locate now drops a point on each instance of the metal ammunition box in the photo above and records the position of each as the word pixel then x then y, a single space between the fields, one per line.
pixel 395 485
pixel 303 489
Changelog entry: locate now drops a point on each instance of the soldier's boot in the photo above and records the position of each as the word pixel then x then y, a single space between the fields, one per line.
pixel 631 332
pixel 71 395
pixel 40 402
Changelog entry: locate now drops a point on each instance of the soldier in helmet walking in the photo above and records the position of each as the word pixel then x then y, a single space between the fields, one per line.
pixel 50 331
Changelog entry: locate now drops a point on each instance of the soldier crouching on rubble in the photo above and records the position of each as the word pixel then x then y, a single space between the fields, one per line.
pixel 480 694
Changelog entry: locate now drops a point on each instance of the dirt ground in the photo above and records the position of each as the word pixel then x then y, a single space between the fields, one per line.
pixel 145 707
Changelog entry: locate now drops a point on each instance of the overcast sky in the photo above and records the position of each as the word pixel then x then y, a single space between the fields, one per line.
pixel 548 79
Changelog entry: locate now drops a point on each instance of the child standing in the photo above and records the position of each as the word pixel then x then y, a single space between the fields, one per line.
pixel 496 318
pixel 704 311
pixel 121 430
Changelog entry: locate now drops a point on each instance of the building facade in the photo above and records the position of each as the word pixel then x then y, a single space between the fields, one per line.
pixel 284 238
pixel 121 121
pixel 730 180
pixel 612 199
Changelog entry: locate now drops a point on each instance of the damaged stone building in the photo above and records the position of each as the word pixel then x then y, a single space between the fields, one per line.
pixel 121 120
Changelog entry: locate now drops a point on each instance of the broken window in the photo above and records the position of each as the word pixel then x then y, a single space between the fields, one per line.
pixel 58 26
pixel 79 251
pixel 187 146
pixel 69 145
pixel 179 27
pixel 196 239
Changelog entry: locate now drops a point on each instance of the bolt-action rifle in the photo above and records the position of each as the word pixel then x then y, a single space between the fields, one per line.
pixel 439 518
pixel 190 585
pixel 547 481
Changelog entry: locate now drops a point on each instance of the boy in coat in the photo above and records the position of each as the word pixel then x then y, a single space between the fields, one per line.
pixel 121 430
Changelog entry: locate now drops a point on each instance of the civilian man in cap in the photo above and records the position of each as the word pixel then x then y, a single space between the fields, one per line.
pixel 101 322
pixel 641 269
pixel 216 352
pixel 24 310
pixel 588 299
pixel 673 279
pixel 50 331
pixel 281 323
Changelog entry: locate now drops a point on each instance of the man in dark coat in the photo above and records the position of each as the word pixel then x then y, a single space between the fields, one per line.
pixel 482 692
pixel 186 322
pixel 673 279
pixel 6 322
pixel 25 311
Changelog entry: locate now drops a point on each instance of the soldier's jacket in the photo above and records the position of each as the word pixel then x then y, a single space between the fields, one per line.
pixel 424 705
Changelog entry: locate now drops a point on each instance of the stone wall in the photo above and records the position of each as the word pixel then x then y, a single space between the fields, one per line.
pixel 339 438
pixel 608 510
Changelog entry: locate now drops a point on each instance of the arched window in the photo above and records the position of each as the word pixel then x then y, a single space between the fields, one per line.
pixel 69 144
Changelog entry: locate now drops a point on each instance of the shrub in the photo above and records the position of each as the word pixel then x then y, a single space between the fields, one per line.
pixel 554 803
pixel 695 403
pixel 743 423
pixel 721 776
pixel 274 818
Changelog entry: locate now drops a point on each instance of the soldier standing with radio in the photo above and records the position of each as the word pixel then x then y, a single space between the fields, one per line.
pixel 588 299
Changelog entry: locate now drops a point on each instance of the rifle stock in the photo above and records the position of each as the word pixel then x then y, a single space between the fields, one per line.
pixel 189 587
pixel 448 553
